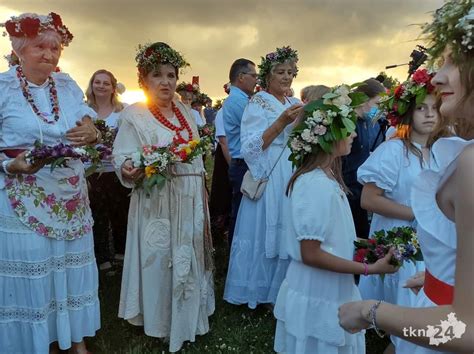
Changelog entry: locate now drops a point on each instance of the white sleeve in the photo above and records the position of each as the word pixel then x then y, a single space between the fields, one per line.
pixel 383 165
pixel 126 143
pixel 312 202
pixel 219 123
pixel 253 126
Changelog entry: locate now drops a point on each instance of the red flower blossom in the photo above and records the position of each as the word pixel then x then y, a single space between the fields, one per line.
pixel 372 241
pixel 148 52
pixel 30 26
pixel 189 88
pixel 11 28
pixel 421 76
pixel 399 91
pixel 56 19
pixel 360 255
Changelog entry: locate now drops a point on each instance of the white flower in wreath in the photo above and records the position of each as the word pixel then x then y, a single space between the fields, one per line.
pixel 296 145
pixel 320 130
pixel 318 116
pixel 306 135
pixel 307 148
pixel 345 111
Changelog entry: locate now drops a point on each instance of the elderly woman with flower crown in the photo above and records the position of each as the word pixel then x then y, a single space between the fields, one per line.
pixel 257 265
pixel 167 284
pixel 442 202
pixel 48 275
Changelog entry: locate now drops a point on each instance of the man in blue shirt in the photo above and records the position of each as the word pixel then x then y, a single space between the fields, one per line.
pixel 243 78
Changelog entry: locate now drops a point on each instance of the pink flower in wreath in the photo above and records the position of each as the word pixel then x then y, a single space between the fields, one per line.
pixel 73 180
pixel 32 220
pixel 42 230
pixel 319 130
pixel 71 205
pixel 30 179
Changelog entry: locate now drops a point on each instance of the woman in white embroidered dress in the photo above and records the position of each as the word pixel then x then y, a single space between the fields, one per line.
pixel 257 266
pixel 443 204
pixel 48 274
pixel 167 284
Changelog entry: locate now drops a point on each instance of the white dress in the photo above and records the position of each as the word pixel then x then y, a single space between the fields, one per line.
pixel 167 284
pixel 48 274
pixel 437 234
pixel 391 169
pixel 308 301
pixel 257 265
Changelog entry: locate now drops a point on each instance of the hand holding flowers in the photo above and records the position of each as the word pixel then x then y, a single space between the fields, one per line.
pixel 402 242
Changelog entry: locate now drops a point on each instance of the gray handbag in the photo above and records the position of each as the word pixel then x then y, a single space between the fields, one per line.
pixel 253 188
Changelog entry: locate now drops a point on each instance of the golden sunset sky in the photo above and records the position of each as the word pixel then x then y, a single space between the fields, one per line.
pixel 339 41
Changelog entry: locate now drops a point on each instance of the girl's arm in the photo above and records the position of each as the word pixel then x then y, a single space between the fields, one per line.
pixel 394 319
pixel 373 200
pixel 312 255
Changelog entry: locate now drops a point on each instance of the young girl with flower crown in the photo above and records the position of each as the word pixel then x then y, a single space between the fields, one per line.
pixel 389 173
pixel 321 233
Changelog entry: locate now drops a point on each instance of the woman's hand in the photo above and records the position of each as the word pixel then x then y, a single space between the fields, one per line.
pixel 85 133
pixel 19 165
pixel 416 282
pixel 383 266
pixel 290 114
pixel 131 174
pixel 353 316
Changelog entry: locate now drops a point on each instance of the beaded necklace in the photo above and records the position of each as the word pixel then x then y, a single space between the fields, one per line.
pixel 182 121
pixel 53 97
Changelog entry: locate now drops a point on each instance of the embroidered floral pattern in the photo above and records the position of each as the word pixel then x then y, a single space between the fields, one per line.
pixel 257 99
pixel 73 211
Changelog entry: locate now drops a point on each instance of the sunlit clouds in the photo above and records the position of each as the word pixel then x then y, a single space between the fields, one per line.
pixel 337 40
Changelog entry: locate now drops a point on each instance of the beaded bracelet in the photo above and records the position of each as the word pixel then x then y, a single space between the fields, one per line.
pixel 373 319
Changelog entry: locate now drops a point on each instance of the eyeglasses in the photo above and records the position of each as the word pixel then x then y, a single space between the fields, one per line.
pixel 254 75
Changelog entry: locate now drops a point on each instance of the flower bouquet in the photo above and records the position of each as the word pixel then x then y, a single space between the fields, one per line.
pixel 207 133
pixel 59 154
pixel 403 239
pixel 108 133
pixel 156 160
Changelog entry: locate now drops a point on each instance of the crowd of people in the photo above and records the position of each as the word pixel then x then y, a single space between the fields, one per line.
pixel 295 183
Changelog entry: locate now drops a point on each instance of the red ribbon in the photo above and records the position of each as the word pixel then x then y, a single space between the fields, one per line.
pixel 12 153
pixel 437 291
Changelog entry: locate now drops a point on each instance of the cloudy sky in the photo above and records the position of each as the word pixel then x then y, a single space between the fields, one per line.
pixel 337 40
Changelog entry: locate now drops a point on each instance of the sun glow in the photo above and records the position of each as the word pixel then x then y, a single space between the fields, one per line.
pixel 133 96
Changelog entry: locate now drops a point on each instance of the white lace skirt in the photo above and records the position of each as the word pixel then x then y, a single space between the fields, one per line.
pixel 48 288
pixel 306 312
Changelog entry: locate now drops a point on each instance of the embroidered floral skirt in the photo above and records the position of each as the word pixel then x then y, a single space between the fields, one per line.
pixel 48 288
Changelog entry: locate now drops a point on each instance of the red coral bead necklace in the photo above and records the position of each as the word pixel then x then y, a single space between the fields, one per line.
pixel 153 108
pixel 53 97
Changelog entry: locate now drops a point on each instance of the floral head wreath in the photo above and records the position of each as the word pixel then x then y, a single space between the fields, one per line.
pixel 227 87
pixel 187 87
pixel 396 102
pixel 271 59
pixel 149 56
pixel 31 25
pixel 201 98
pixel 325 122
pixel 453 25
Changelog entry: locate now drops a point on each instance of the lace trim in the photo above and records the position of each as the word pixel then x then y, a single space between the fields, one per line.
pixel 252 151
pixel 12 224
pixel 43 268
pixel 35 315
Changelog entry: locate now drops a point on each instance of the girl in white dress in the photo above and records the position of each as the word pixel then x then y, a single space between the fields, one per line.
pixel 320 239
pixel 257 264
pixel 442 201
pixel 388 175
